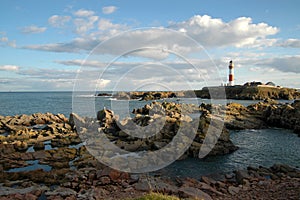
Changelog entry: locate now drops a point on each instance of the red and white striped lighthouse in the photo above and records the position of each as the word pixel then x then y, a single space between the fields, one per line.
pixel 231 74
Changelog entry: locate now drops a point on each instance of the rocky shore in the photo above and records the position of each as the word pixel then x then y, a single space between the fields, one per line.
pixel 238 92
pixel 146 96
pixel 268 113
pixel 43 157
pixel 243 92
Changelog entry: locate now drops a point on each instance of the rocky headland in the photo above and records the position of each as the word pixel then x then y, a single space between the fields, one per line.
pixel 43 157
pixel 238 92
pixel 244 92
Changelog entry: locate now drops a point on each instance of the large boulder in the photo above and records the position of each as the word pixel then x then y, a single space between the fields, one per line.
pixel 76 121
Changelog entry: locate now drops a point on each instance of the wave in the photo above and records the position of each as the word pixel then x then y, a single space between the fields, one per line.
pixel 116 99
pixel 85 95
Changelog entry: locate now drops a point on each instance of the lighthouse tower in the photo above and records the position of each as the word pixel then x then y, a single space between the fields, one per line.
pixel 231 74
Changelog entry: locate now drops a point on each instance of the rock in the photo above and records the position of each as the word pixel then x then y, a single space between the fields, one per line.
pixel 7 149
pixel 60 142
pixel 208 180
pixel 240 175
pixel 21 146
pixel 62 118
pixel 143 185
pixel 37 155
pixel 4 191
pixel 105 180
pixel 270 101
pixel 282 168
pixel 194 193
pixel 30 196
pixel 233 190
pixel 229 176
pixel 122 96
pixel 39 146
pixel 61 154
pixel 62 192
pixel 105 116
pixel 76 121
pixel 114 175
pixel 159 145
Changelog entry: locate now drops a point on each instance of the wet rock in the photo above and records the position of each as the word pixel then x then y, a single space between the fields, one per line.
pixel 282 168
pixel 208 180
pixel 240 175
pixel 39 146
pixel 60 142
pixel 37 155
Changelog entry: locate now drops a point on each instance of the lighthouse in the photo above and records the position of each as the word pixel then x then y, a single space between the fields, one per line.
pixel 231 74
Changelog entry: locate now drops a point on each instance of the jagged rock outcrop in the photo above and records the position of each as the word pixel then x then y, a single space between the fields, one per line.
pixel 172 116
pixel 268 113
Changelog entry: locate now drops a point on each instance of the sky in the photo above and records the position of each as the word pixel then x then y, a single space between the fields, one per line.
pixel 62 45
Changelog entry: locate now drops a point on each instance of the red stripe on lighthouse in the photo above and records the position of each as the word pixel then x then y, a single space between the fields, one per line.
pixel 230 77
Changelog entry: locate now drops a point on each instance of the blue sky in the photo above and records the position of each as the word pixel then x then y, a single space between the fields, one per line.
pixel 44 43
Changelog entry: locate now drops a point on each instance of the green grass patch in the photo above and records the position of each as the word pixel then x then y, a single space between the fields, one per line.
pixel 157 196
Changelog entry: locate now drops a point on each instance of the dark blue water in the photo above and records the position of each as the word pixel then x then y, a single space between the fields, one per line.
pixel 15 103
pixel 257 147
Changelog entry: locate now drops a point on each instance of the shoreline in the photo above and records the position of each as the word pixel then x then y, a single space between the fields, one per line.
pixel 70 161
pixel 237 92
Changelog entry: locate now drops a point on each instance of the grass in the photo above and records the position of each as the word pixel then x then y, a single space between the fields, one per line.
pixel 156 196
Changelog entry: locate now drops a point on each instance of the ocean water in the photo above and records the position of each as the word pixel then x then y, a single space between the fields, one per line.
pixel 263 147
pixel 15 103
pixel 257 147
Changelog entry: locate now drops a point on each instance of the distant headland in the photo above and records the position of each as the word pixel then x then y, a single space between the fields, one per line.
pixel 248 91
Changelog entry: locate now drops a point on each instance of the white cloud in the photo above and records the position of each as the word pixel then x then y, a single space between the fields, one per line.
pixel 75 46
pixel 4 41
pixel 84 13
pixel 9 68
pixel 58 21
pixel 283 64
pixel 48 73
pixel 294 43
pixel 83 25
pixel 208 31
pixel 102 83
pixel 33 29
pixel 86 63
pixel 239 32
pixel 105 24
pixel 109 9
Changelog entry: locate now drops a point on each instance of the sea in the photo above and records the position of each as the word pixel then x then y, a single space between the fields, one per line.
pixel 263 147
